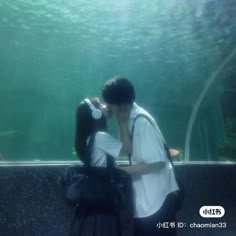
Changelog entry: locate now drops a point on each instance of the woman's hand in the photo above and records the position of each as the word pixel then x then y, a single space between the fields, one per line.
pixel 122 113
pixel 122 116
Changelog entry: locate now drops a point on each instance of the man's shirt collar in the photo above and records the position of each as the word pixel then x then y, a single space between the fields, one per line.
pixel 134 111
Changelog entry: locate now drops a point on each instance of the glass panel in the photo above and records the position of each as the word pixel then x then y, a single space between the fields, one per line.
pixel 54 53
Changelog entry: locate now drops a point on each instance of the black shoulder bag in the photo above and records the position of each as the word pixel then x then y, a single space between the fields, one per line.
pixel 179 194
pixel 99 190
pixel 91 187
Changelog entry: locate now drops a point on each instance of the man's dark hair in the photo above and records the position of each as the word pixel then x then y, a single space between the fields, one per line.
pixel 118 90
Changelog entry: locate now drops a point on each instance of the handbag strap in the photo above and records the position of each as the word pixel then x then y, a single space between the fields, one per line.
pixel 88 154
pixel 151 122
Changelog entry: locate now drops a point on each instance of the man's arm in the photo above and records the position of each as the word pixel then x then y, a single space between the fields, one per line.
pixel 140 169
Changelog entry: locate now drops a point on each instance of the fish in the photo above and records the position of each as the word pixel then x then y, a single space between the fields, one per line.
pixel 174 152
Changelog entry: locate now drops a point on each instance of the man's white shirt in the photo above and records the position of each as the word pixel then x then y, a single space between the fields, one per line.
pixel 150 189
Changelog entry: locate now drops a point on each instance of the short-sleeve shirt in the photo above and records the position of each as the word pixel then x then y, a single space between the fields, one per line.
pixel 104 144
pixel 150 189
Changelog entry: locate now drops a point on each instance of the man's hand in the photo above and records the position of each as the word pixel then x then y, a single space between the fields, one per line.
pixel 140 169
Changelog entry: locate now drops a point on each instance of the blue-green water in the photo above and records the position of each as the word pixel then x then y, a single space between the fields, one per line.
pixel 53 53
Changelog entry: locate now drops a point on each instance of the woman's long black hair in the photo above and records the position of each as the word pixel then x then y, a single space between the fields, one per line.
pixel 86 125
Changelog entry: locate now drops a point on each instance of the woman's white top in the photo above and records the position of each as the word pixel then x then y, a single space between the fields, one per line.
pixel 150 189
pixel 104 144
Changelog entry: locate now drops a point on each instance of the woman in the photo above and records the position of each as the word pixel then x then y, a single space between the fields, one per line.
pixel 91 117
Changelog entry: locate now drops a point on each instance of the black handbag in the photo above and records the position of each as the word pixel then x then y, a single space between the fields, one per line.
pixel 99 192
pixel 89 186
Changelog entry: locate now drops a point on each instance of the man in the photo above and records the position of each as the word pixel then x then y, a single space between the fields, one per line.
pixel 152 174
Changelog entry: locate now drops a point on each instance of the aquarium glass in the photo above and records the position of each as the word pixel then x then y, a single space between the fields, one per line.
pixel 179 54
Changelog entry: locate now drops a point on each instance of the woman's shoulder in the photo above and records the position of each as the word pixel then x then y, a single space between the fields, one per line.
pixel 104 137
pixel 101 135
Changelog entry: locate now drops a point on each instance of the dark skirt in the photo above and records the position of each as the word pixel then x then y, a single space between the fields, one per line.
pixel 95 224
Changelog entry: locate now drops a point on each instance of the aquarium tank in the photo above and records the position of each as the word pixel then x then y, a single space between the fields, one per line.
pixel 179 54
